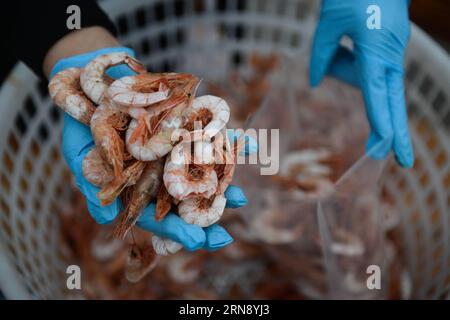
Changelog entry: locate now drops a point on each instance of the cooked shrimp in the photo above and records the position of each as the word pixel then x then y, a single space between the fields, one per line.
pixel 140 261
pixel 93 77
pixel 207 211
pixel 202 212
pixel 266 230
pixel 309 162
pixel 309 172
pixel 149 119
pixel 104 125
pixel 164 247
pixel 203 152
pixel 212 111
pixel 184 179
pixel 66 92
pixel 225 169
pixel 143 192
pixel 147 144
pixel 138 91
pixel 96 170
pixel 129 177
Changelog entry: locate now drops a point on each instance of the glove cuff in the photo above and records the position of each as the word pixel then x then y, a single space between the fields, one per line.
pixel 79 61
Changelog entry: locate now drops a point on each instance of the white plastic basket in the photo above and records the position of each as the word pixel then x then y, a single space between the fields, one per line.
pixel 171 35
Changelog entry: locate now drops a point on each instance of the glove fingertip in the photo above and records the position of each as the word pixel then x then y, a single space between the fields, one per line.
pixel 406 163
pixel 405 156
pixel 192 238
pixel 378 148
pixel 315 76
pixel 216 238
pixel 235 197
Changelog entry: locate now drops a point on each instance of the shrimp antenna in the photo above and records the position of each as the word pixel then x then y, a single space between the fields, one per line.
pixel 132 237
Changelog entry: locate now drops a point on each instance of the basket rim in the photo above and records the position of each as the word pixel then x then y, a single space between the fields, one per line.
pixel 421 45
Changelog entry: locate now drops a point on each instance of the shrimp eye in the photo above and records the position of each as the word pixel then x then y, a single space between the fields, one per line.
pixel 189 95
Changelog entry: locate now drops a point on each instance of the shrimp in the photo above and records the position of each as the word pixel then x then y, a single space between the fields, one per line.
pixel 212 111
pixel 266 226
pixel 225 169
pixel 151 114
pixel 93 79
pixel 104 125
pixel 129 177
pixel 202 212
pixel 152 139
pixel 138 91
pixel 207 211
pixel 310 171
pixel 96 170
pixel 164 247
pixel 143 192
pixel 66 92
pixel 184 179
pixel 140 261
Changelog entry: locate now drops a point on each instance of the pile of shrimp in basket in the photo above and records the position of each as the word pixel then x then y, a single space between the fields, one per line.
pixel 155 141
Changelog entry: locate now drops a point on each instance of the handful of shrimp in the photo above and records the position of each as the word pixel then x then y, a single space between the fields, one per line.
pixel 133 121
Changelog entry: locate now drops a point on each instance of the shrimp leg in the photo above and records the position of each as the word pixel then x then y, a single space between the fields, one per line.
pixel 143 192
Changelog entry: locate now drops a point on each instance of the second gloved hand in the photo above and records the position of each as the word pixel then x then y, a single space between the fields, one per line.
pixel 375 65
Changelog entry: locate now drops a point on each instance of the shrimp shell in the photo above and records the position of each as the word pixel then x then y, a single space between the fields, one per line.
pixel 219 113
pixel 65 90
pixel 124 92
pixel 178 181
pixel 156 146
pixel 129 177
pixel 225 170
pixel 96 170
pixel 160 143
pixel 93 79
pixel 143 192
pixel 202 212
pixel 103 127
pixel 164 247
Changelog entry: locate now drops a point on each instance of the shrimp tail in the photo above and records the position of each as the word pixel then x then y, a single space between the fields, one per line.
pixel 136 65
pixel 128 178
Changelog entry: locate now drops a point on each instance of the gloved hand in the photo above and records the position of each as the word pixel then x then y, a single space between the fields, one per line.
pixel 375 65
pixel 76 143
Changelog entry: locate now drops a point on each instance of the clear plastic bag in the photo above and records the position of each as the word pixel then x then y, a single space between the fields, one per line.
pixel 319 220
pixel 351 231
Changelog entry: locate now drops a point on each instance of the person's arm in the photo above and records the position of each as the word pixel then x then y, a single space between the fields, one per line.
pixel 36 31
pixel 78 42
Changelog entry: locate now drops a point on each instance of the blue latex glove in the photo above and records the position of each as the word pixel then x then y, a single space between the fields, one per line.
pixel 77 141
pixel 375 65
